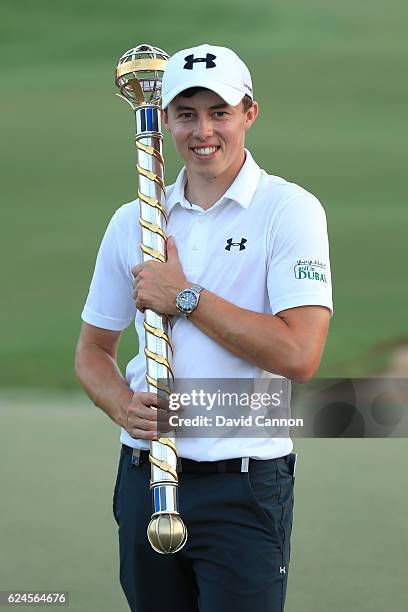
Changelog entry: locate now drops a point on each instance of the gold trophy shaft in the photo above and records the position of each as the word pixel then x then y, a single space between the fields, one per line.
pixel 138 76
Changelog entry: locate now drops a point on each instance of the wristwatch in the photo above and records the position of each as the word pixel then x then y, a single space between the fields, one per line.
pixel 187 300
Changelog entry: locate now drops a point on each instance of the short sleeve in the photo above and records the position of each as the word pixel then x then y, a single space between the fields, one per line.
pixel 109 304
pixel 298 268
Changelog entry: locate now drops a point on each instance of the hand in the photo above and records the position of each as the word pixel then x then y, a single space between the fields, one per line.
pixel 147 416
pixel 156 284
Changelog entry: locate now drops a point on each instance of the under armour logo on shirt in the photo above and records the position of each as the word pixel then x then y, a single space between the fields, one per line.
pixel 191 60
pixel 282 570
pixel 241 244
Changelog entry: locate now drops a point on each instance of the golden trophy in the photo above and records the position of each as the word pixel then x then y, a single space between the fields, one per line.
pixel 138 76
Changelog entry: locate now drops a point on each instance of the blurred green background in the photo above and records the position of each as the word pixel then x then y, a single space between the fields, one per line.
pixel 330 79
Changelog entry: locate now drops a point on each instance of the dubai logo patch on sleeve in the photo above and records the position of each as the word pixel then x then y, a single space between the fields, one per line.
pixel 313 270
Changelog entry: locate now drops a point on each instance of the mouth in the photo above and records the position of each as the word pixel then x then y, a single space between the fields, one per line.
pixel 205 152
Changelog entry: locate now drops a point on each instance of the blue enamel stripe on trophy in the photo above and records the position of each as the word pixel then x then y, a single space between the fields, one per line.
pixel 152 119
pixel 143 120
pixel 156 500
pixel 165 498
pixel 159 499
pixel 147 120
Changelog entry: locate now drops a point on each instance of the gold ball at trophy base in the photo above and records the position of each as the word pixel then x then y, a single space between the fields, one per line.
pixel 167 533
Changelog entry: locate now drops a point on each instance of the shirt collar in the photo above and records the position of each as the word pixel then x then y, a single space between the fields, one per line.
pixel 242 189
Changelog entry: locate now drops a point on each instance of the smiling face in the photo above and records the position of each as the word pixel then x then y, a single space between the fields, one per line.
pixel 209 134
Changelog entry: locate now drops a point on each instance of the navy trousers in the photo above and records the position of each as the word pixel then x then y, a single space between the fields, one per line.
pixel 237 554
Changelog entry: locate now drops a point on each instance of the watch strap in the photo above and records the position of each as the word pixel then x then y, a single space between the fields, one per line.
pixel 196 289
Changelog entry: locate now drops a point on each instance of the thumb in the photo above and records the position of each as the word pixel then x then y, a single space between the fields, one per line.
pixel 172 254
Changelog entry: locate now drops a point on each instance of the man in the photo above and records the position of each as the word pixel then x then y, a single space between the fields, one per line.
pixel 257 246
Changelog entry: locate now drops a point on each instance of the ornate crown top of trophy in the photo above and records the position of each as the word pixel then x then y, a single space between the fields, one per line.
pixel 139 74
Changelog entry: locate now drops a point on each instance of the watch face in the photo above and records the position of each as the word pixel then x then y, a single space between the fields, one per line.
pixel 186 301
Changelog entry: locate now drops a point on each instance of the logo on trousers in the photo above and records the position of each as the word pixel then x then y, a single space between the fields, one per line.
pixel 241 244
pixel 282 569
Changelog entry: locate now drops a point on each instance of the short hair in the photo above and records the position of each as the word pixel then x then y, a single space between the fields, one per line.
pixel 192 91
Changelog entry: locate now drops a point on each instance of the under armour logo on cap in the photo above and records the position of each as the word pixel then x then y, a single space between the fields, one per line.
pixel 208 59
pixel 241 244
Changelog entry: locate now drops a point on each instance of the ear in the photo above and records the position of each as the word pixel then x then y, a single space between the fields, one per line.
pixel 165 118
pixel 251 115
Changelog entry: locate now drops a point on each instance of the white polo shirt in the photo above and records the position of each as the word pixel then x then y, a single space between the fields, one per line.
pixel 263 246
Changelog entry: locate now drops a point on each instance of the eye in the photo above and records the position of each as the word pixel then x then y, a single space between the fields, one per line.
pixel 185 115
pixel 220 114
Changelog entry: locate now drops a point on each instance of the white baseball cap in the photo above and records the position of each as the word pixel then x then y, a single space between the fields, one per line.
pixel 216 68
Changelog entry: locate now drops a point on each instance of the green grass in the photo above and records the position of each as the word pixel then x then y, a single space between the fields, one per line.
pixel 57 532
pixel 59 457
pixel 330 78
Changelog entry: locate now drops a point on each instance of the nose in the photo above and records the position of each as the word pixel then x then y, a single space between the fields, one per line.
pixel 202 128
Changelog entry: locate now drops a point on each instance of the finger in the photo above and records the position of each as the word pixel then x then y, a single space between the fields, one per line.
pixel 149 407
pixel 136 269
pixel 139 305
pixel 172 253
pixel 163 421
pixel 140 434
pixel 151 264
pixel 163 403
pixel 149 398
pixel 147 412
pixel 157 401
pixel 136 297
pixel 142 424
